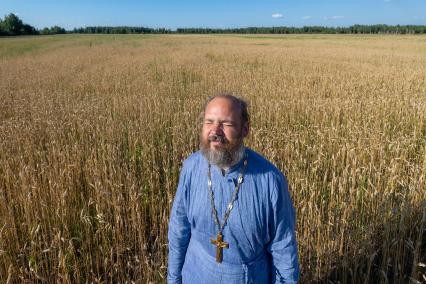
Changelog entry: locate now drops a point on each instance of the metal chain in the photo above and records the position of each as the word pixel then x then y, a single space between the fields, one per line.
pixel 231 203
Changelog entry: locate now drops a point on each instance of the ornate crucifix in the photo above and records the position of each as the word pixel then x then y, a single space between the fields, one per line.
pixel 220 244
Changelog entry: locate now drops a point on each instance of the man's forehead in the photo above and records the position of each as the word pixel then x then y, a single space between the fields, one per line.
pixel 223 104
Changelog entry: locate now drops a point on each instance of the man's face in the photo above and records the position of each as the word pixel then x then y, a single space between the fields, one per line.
pixel 223 130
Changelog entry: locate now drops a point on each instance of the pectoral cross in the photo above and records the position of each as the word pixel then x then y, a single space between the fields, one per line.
pixel 220 244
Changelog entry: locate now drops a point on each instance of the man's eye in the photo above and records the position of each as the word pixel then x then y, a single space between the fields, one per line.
pixel 207 122
pixel 228 124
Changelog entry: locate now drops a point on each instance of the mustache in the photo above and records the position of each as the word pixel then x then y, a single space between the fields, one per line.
pixel 216 138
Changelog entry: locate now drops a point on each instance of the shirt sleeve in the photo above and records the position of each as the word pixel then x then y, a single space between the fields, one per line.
pixel 283 245
pixel 179 232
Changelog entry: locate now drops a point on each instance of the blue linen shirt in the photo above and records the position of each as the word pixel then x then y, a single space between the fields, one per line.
pixel 260 228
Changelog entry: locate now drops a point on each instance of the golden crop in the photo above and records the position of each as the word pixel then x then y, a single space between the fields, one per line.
pixel 94 130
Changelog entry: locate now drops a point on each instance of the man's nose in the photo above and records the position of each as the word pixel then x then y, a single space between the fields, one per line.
pixel 217 128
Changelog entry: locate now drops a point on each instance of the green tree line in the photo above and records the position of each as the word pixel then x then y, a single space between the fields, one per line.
pixel 120 30
pixel 355 29
pixel 11 25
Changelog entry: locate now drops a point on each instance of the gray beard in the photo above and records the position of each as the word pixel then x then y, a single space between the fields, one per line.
pixel 223 158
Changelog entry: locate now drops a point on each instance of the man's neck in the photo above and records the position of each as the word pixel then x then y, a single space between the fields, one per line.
pixel 225 169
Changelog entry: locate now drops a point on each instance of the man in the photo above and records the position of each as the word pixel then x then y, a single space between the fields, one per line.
pixel 232 219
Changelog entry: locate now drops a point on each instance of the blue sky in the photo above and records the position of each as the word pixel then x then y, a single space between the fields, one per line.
pixel 215 13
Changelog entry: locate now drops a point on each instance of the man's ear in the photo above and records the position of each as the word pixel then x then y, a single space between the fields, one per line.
pixel 246 129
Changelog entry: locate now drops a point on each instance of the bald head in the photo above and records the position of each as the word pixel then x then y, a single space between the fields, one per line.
pixel 238 105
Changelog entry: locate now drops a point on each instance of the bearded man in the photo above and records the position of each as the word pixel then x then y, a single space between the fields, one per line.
pixel 232 219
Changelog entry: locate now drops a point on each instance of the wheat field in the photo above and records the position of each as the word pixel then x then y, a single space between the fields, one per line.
pixel 94 129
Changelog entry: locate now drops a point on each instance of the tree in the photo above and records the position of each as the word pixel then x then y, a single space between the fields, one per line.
pixel 57 30
pixel 2 31
pixel 28 30
pixel 12 25
pixel 45 31
pixel 53 31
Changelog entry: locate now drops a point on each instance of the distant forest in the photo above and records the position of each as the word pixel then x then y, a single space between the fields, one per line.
pixel 11 25
pixel 355 29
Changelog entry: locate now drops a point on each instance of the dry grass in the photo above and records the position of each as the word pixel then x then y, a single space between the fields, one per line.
pixel 94 130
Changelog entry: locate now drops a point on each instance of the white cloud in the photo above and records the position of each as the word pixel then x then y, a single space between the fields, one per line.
pixel 306 17
pixel 333 18
pixel 277 15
